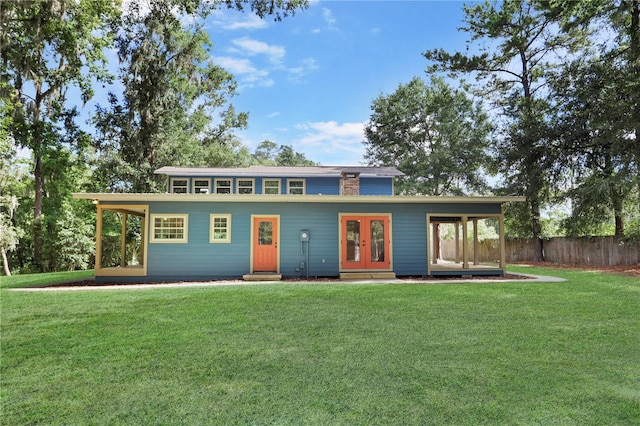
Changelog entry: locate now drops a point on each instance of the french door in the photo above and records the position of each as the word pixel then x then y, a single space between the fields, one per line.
pixel 365 242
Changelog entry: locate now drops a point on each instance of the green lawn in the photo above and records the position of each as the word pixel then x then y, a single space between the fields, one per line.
pixel 35 280
pixel 500 353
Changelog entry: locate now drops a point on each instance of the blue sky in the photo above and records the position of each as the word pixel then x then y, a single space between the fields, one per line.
pixel 309 80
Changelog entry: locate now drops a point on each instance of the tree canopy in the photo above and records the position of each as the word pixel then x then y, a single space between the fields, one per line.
pixel 173 109
pixel 517 45
pixel 434 134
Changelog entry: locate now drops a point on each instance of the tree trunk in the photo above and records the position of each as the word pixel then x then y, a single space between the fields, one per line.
pixel 5 262
pixel 37 212
pixel 618 214
pixel 536 226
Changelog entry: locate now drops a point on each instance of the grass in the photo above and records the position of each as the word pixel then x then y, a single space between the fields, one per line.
pixel 500 353
pixel 35 280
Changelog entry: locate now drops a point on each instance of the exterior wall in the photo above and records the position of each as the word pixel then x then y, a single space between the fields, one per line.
pixel 324 186
pixel 201 260
pixel 376 186
pixel 314 185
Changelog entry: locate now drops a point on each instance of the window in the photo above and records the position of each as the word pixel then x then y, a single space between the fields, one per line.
pixel 245 186
pixel 271 186
pixel 179 186
pixel 223 186
pixel 296 186
pixel 169 228
pixel 201 186
pixel 220 229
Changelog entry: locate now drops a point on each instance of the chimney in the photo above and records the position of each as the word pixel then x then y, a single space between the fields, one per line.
pixel 350 183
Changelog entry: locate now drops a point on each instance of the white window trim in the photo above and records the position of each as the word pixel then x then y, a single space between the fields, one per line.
pixel 272 180
pixel 193 185
pixel 172 186
pixel 152 233
pixel 215 185
pixel 213 216
pixel 304 186
pixel 253 185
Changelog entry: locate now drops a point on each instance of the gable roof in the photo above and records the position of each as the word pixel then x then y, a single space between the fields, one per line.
pixel 280 171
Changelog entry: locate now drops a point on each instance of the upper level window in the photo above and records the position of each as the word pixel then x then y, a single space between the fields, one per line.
pixel 245 186
pixel 179 186
pixel 223 186
pixel 201 186
pixel 296 186
pixel 169 228
pixel 271 186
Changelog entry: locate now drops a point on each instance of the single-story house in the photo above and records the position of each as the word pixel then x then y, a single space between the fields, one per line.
pixel 222 223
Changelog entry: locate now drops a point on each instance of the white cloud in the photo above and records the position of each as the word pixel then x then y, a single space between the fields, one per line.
pixel 240 22
pixel 244 71
pixel 341 143
pixel 253 47
pixel 329 19
pixel 305 67
pixel 235 65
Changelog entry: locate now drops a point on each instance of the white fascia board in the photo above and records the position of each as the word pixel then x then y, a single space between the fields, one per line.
pixel 269 172
pixel 261 198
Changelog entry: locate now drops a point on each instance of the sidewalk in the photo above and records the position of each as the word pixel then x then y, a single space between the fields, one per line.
pixel 67 285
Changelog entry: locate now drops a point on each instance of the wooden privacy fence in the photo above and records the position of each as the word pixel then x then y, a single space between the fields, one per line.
pixel 607 251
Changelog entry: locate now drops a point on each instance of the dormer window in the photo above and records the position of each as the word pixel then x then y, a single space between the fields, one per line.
pixel 201 186
pixel 296 186
pixel 245 186
pixel 223 186
pixel 271 186
pixel 179 186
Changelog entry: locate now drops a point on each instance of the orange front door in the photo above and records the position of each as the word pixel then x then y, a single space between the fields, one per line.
pixel 265 244
pixel 365 242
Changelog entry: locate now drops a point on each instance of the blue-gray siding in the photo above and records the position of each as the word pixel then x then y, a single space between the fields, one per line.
pixel 198 259
pixel 376 186
pixel 314 185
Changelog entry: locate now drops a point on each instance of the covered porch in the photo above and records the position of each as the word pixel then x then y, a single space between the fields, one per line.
pixel 466 254
pixel 121 240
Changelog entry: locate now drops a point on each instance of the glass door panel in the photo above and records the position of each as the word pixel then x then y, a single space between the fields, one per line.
pixel 377 241
pixel 265 233
pixel 353 241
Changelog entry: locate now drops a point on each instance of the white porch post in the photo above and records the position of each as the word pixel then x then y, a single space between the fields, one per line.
pixel 123 241
pixel 457 240
pixel 475 242
pixel 465 252
pixel 143 238
pixel 435 236
pixel 502 243
pixel 98 264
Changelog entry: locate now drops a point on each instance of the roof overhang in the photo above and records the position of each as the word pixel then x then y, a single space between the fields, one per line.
pixel 279 171
pixel 256 198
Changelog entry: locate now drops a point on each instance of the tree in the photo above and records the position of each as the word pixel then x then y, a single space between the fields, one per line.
pixel 594 143
pixel 46 47
pixel 521 44
pixel 600 123
pixel 271 154
pixel 170 89
pixel 431 132
pixel 266 152
pixel 172 92
pixel 288 157
pixel 10 233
